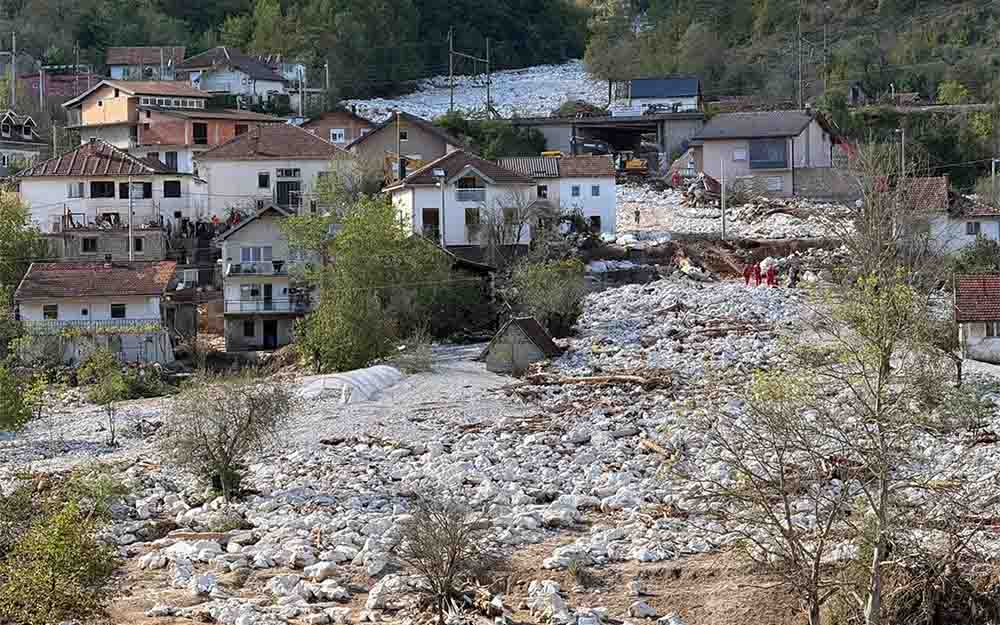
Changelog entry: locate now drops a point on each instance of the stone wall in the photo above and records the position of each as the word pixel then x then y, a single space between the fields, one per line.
pixel 826 183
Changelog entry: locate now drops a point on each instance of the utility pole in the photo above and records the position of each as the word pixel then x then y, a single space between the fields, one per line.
pixel 41 87
pixel 826 57
pixel 55 135
pixel 722 203
pixel 993 198
pixel 76 70
pixel 399 149
pixel 451 69
pixel 799 31
pixel 326 71
pixel 475 59
pixel 489 77
pixel 13 71
pixel 130 194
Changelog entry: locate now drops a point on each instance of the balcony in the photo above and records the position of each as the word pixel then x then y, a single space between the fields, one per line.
pixel 51 327
pixel 286 305
pixel 470 195
pixel 263 268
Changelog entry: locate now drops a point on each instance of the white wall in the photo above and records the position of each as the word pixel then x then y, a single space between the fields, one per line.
pixel 119 136
pixel 976 344
pixel 603 206
pixel 236 82
pixel 454 211
pixel 638 106
pixel 98 308
pixel 47 198
pixel 948 234
pixel 230 182
pixel 185 156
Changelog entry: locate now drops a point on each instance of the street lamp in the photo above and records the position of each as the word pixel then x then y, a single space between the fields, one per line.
pixel 441 174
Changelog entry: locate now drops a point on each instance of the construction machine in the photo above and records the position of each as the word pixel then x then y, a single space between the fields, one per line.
pixel 628 164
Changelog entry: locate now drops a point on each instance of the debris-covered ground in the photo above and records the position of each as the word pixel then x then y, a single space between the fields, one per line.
pixel 532 91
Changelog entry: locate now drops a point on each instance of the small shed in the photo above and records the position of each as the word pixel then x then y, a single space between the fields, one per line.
pixel 520 342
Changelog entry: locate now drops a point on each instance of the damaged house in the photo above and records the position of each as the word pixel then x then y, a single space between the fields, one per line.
pixel 977 313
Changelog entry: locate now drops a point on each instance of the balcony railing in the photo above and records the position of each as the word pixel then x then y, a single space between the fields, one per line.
pixel 470 195
pixel 262 268
pixel 284 305
pixel 92 327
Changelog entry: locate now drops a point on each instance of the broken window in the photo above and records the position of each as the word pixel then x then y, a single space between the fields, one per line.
pixel 973 228
pixel 263 180
pixel 171 160
pixel 769 154
pixel 137 245
pixel 431 217
pixel 200 132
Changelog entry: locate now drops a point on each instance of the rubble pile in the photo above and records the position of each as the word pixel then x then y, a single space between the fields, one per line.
pixel 532 91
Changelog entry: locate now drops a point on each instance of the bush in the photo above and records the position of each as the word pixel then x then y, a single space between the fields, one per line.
pixel 14 410
pixel 218 423
pixel 415 355
pixel 552 291
pixel 57 571
pixel 983 256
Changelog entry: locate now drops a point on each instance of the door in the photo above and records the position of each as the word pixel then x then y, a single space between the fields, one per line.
pixel 288 192
pixel 432 225
pixel 268 297
pixel 270 333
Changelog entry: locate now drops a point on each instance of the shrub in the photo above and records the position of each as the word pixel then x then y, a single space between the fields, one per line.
pixel 57 571
pixel 218 423
pixel 108 386
pixel 552 291
pixel 14 410
pixel 415 355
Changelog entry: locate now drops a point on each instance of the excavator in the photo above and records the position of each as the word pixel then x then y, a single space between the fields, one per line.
pixel 627 164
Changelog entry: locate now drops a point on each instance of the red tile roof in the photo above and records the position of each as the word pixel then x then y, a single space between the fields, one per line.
pixel 95 279
pixel 586 167
pixel 274 141
pixel 418 122
pixel 453 164
pixel 96 158
pixel 928 194
pixel 977 297
pixel 144 55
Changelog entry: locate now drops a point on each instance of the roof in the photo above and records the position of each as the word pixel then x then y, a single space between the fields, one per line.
pixel 170 88
pixel 214 114
pixel 224 56
pixel 677 87
pixel 274 141
pixel 977 297
pixel 970 206
pixel 15 118
pixel 416 121
pixel 927 194
pixel 96 158
pixel 270 208
pixel 586 167
pixel 532 166
pixel 533 331
pixel 95 279
pixel 331 116
pixel 771 124
pixel 456 162
pixel 144 55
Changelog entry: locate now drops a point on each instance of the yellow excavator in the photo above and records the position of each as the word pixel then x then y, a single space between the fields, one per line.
pixel 629 165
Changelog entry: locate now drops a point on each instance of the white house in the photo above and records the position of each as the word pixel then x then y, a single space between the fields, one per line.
pixel 90 185
pixel 663 95
pixel 955 221
pixel 19 140
pixel 77 306
pixel 446 200
pixel 261 301
pixel 573 184
pixel 273 164
pixel 143 62
pixel 977 312
pixel 227 70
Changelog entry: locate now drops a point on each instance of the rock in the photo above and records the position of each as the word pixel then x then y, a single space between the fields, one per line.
pixel 202 585
pixel 545 602
pixel 161 610
pixel 634 589
pixel 284 585
pixel 382 592
pixel 152 561
pixel 339 616
pixel 560 515
pixel 320 571
pixel 320 618
pixel 641 609
pixel 671 619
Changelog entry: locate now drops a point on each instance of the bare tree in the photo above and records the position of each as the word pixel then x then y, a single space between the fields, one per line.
pixel 446 546
pixel 505 223
pixel 218 423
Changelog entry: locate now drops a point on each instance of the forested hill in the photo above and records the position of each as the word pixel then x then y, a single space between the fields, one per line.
pixel 371 45
pixel 750 47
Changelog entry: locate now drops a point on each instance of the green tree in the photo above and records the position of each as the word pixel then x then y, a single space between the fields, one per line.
pixel 20 241
pixel 952 92
pixel 237 31
pixel 552 291
pixel 108 386
pixel 14 411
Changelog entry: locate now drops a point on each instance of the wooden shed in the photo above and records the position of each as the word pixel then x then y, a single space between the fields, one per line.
pixel 520 342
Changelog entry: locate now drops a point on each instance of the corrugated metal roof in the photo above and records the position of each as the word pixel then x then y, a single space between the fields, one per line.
pixel 532 166
pixel 680 87
pixel 771 124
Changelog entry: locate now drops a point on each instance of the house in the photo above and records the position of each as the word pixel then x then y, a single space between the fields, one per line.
pixel 19 141
pixel 418 140
pixel 60 81
pixel 273 164
pixel 338 127
pixel 451 198
pixel 168 121
pixel 977 313
pixel 660 95
pixel 573 184
pixel 89 243
pixel 74 307
pixel 143 62
pixel 226 70
pixel 955 221
pixel 261 301
pixel 764 149
pixel 89 186
pixel 521 342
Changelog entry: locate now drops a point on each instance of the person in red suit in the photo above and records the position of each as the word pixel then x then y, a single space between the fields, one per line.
pixel 747 272
pixel 756 274
pixel 772 276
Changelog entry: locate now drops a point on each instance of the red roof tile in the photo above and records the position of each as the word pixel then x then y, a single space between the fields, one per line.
pixel 72 280
pixel 144 55
pixel 586 167
pixel 274 141
pixel 96 158
pixel 454 162
pixel 977 297
pixel 928 194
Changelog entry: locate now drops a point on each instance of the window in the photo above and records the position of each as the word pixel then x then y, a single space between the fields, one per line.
pixel 595 224
pixel 472 218
pixel 154 155
pixel 144 101
pixel 171 161
pixel 89 245
pixel 171 188
pixel 84 312
pixel 137 245
pixel 147 190
pixel 100 104
pixel 241 129
pixel 50 311
pixel 249 291
pixel 739 154
pixel 769 154
pixel 200 132
pixel 118 311
pixel 288 173
pixel 255 254
pixel 775 183
pixel 102 189
pixel 403 136
pixel 973 228
pixel 26 131
pixel 338 135
pixel 575 190
pixel 263 180
pixel 595 190
pixel 5 129
pixel 249 331
pixel 3 160
pixel 543 191
pixel 993 329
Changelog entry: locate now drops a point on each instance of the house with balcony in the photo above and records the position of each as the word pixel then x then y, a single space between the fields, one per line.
pixel 99 186
pixel 72 308
pixel 226 70
pixel 19 141
pixel 261 299
pixel 278 164
pixel 453 198
pixel 143 62
pixel 418 140
pixel 168 121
